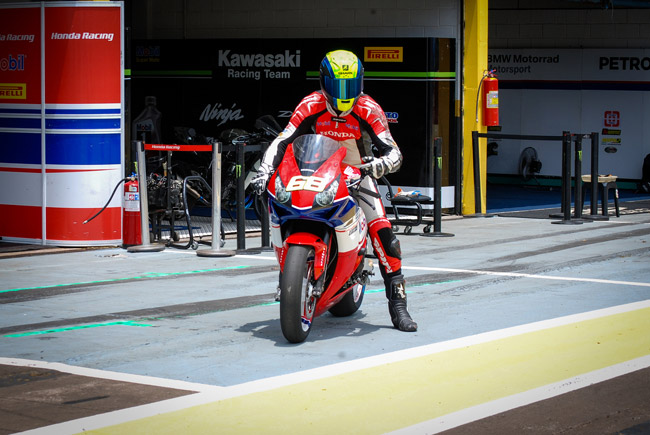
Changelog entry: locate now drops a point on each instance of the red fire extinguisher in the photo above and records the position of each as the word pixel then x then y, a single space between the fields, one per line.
pixel 131 233
pixel 490 99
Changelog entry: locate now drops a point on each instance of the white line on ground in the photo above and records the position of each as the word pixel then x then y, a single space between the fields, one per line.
pixel 113 376
pixel 527 275
pixel 488 272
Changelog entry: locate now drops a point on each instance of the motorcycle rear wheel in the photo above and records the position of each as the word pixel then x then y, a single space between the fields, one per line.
pixel 296 305
pixel 350 303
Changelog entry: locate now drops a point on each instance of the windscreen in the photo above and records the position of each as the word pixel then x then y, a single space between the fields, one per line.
pixel 312 150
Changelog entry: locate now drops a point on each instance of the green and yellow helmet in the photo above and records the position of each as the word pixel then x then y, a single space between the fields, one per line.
pixel 341 79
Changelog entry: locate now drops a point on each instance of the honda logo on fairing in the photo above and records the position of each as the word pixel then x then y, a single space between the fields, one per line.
pixel 286 60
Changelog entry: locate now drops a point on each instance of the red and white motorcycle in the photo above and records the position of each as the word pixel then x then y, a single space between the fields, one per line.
pixel 319 234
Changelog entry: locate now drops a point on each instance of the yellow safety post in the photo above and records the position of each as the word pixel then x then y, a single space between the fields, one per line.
pixel 475 54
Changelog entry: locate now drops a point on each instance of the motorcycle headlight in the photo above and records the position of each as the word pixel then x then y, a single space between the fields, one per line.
pixel 281 193
pixel 326 197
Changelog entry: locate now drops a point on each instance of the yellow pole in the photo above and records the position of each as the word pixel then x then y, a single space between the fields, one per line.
pixel 474 63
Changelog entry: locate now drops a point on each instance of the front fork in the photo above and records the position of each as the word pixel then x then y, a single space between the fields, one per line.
pixel 322 250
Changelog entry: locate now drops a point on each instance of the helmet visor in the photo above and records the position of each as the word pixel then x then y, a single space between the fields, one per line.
pixel 342 89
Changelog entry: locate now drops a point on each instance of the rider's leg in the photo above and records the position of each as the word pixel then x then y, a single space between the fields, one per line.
pixel 387 248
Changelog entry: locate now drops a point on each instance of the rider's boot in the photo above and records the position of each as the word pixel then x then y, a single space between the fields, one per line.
pixel 399 315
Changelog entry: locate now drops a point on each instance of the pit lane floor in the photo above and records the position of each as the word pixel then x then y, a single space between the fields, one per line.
pixel 524 327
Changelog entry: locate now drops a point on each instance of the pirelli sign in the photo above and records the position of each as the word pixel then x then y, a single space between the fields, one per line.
pixel 13 91
pixel 383 54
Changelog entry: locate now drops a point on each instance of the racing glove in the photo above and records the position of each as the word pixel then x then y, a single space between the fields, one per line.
pixel 262 178
pixel 376 167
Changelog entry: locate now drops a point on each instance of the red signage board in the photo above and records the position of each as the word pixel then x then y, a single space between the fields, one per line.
pixel 81 45
pixel 20 56
pixel 61 113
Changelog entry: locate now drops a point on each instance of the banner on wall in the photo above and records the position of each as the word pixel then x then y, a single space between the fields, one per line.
pixel 547 91
pixel 577 68
pixel 224 84
pixel 20 56
pixel 61 149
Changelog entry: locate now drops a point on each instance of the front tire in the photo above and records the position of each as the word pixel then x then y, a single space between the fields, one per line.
pixel 296 303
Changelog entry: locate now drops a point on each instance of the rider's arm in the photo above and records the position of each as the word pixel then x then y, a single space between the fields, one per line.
pixel 300 123
pixel 373 120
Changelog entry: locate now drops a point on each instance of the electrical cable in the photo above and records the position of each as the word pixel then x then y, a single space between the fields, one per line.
pixel 109 199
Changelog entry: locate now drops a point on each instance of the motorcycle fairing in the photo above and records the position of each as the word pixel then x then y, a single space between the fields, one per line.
pixel 336 228
pixel 345 266
pixel 304 183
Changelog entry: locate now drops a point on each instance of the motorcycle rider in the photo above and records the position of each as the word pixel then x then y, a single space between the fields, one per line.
pixel 341 111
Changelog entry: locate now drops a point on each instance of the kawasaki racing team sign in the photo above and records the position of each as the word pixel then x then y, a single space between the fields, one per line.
pixel 258 65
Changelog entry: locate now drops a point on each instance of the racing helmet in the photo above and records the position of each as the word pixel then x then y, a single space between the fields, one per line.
pixel 341 79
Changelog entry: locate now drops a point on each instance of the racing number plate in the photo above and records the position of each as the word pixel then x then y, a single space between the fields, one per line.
pixel 313 183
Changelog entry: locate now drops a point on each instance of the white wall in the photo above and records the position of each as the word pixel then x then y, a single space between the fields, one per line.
pixel 522 25
pixel 567 28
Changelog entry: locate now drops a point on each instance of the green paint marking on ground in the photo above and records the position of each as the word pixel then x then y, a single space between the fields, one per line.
pixel 73 328
pixel 145 276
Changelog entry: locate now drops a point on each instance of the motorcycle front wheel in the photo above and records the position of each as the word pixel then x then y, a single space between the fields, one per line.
pixel 296 304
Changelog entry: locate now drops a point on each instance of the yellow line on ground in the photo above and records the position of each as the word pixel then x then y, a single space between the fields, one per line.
pixel 403 393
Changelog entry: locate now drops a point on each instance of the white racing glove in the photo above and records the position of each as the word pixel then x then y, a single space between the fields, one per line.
pixel 377 167
pixel 262 178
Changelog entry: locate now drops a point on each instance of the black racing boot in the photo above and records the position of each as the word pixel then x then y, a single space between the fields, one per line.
pixel 396 294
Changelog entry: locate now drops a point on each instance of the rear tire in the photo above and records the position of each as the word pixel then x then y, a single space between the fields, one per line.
pixel 350 303
pixel 296 307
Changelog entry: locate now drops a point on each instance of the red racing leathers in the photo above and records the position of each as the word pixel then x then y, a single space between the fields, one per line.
pixel 357 130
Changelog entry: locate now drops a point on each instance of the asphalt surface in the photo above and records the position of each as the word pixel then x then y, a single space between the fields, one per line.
pixel 88 337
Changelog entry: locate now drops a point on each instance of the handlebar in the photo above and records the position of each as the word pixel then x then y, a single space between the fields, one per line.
pixel 251 137
pixel 355 189
pixel 353 184
pixel 246 138
pixel 366 171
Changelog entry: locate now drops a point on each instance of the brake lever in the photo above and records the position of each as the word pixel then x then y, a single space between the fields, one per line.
pixel 353 184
